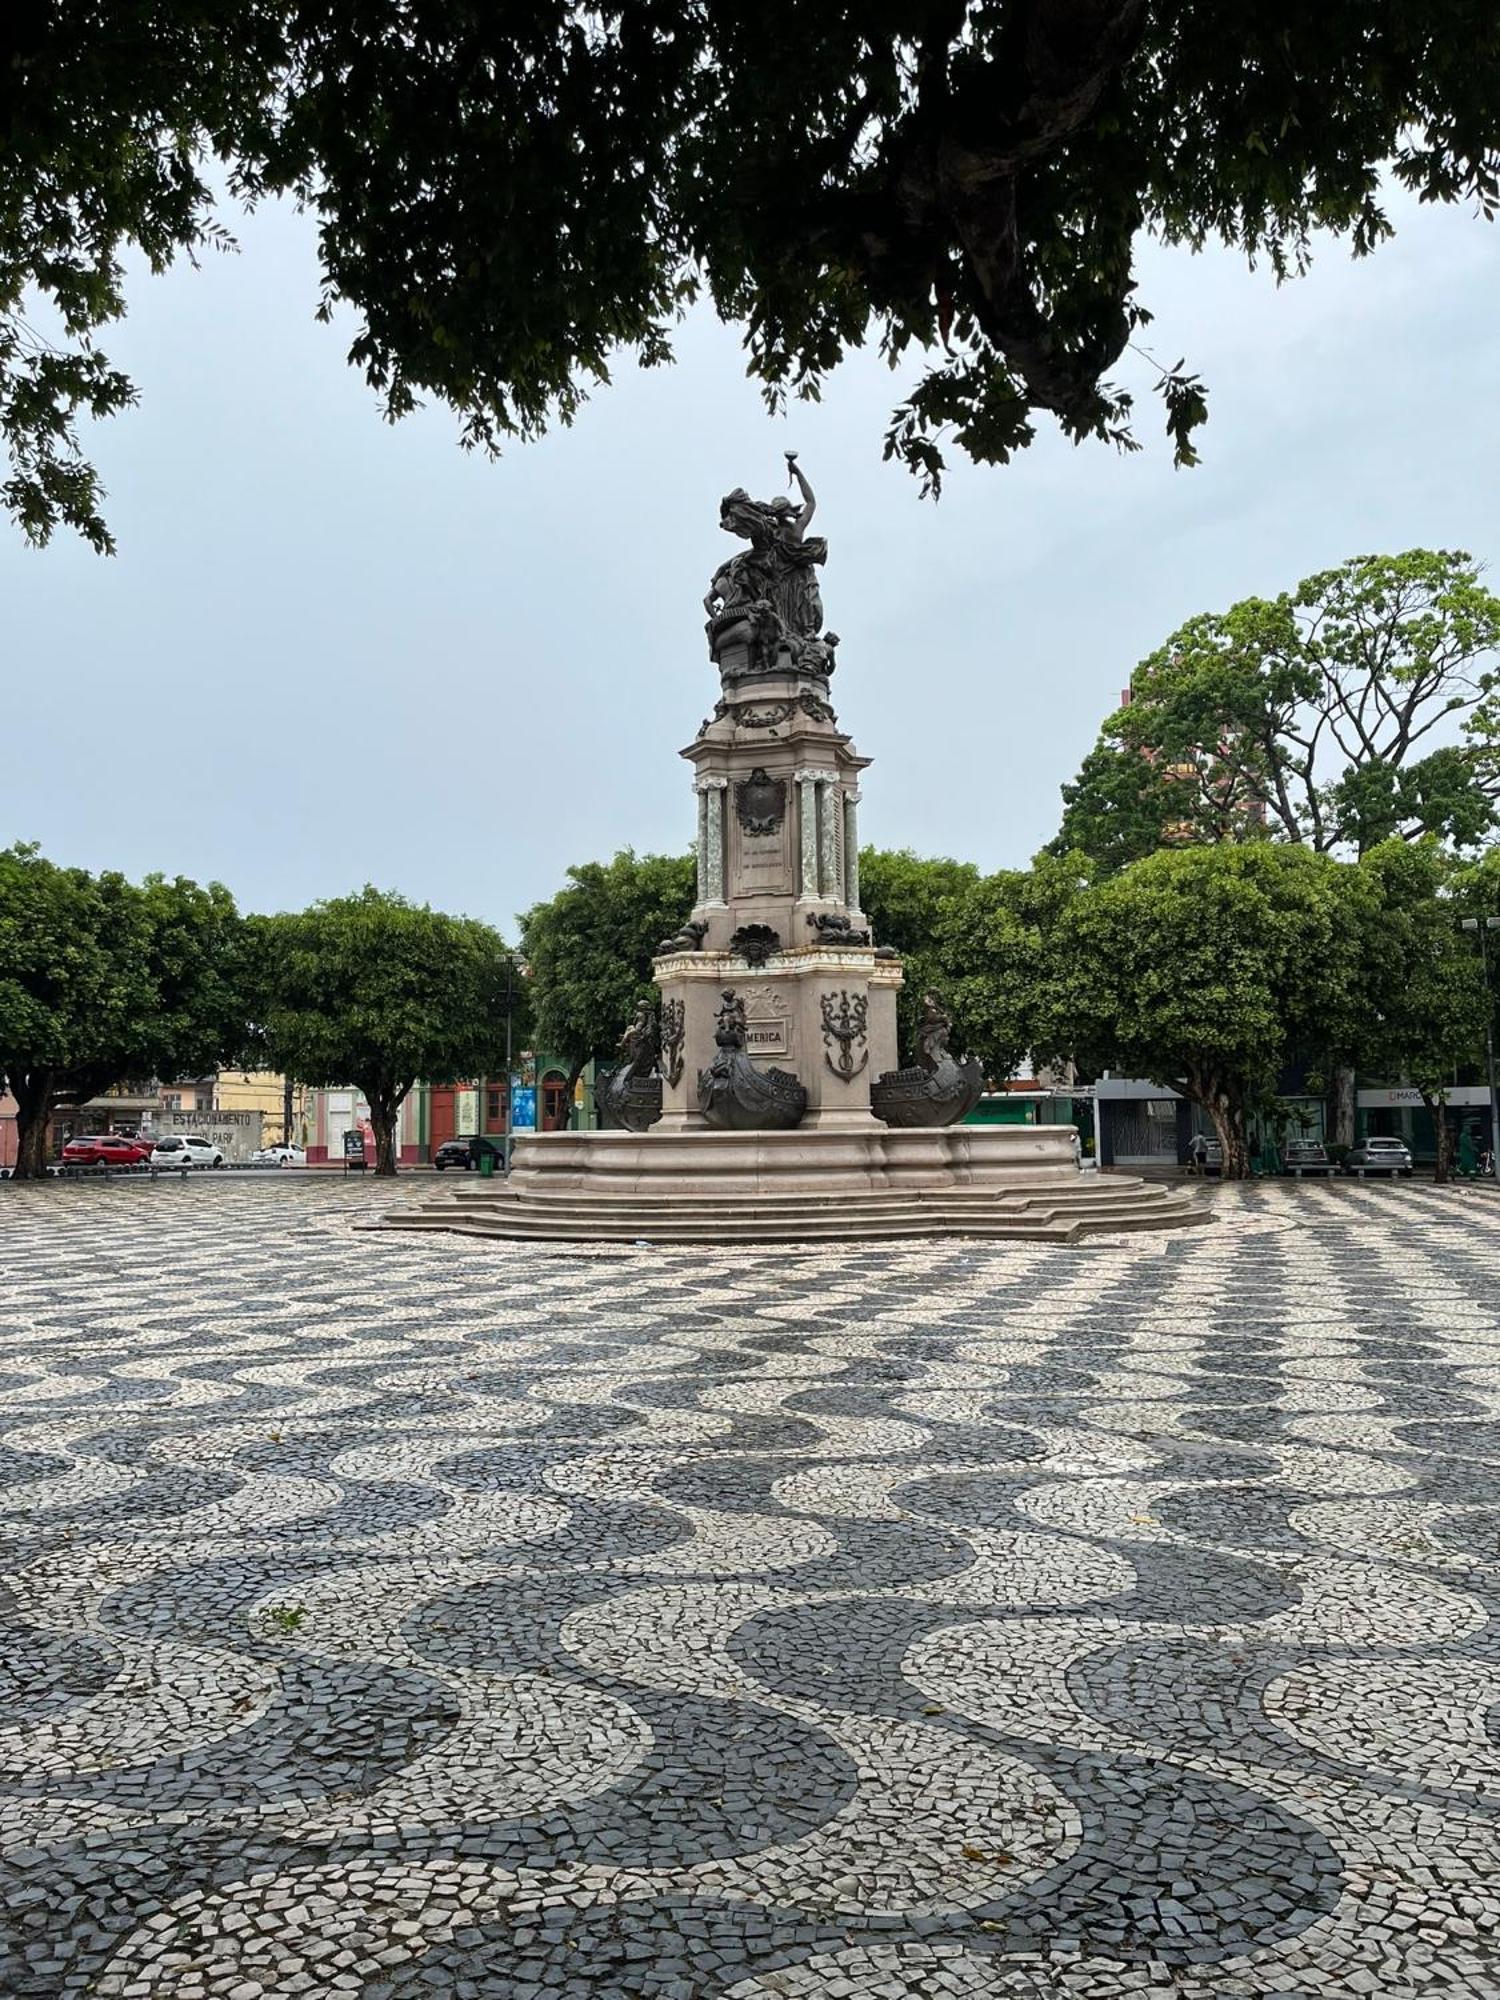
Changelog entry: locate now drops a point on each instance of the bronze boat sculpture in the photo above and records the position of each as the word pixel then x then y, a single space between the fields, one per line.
pixel 733 1094
pixel 936 1089
pixel 630 1096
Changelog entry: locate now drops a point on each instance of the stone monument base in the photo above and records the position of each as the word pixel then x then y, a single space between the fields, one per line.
pixel 804 1186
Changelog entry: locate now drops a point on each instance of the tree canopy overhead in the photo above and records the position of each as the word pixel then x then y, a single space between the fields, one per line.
pixel 510 196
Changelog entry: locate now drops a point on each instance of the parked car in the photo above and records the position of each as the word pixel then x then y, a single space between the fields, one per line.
pixel 1378 1156
pixel 467 1153
pixel 1306 1156
pixel 279 1156
pixel 186 1149
pixel 106 1149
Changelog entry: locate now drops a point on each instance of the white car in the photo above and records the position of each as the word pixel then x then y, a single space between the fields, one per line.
pixel 1378 1156
pixel 186 1149
pixel 279 1156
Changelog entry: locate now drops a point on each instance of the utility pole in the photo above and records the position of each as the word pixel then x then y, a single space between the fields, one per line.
pixel 1482 926
pixel 510 1008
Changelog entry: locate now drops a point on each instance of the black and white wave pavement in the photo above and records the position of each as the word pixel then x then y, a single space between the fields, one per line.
pixel 386 1617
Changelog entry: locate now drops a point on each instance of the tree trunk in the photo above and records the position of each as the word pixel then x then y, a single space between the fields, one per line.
pixel 1228 1113
pixel 1341 1104
pixel 385 1101
pixel 383 1123
pixel 33 1095
pixel 1438 1109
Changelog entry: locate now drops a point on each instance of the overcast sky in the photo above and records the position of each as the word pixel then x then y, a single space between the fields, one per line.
pixel 331 651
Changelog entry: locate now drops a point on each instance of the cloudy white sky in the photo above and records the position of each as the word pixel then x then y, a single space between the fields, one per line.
pixel 330 651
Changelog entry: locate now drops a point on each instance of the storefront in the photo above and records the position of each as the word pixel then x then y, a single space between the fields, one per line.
pixel 1141 1124
pixel 1145 1125
pixel 1396 1111
pixel 328 1114
pixel 1031 1103
pixel 535 1097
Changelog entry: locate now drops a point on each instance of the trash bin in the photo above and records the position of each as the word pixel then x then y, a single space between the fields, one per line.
pixel 487 1162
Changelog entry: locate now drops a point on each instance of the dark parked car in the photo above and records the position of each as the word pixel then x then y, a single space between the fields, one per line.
pixel 106 1149
pixel 468 1153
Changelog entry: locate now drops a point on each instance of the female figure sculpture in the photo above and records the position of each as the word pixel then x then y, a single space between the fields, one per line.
pixel 766 598
pixel 795 590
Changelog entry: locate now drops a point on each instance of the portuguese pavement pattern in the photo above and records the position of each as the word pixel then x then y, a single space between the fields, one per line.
pixel 386 1617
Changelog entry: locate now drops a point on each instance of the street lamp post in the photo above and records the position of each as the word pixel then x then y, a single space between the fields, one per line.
pixel 510 1008
pixel 1482 926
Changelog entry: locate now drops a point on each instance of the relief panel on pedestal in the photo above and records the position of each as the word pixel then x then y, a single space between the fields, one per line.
pixel 762 836
pixel 768 1024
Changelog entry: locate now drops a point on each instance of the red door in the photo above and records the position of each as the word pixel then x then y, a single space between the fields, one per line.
pixel 442 1115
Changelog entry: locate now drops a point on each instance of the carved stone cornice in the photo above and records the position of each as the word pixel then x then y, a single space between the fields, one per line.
pixel 793 962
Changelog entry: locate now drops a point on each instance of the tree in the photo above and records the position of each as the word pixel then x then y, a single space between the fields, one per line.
pixel 989 944
pixel 589 949
pixel 904 896
pixel 1122 805
pixel 199 1017
pixel 74 984
pixel 375 991
pixel 1427 1007
pixel 988 955
pixel 1315 717
pixel 1204 969
pixel 1474 891
pixel 508 198
pixel 101 981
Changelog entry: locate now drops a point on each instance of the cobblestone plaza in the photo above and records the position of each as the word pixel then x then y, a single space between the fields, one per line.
pixel 396 1617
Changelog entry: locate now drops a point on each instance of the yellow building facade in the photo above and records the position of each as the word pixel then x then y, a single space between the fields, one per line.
pixel 264 1091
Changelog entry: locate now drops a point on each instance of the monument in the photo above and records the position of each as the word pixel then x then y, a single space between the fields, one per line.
pixel 766 1099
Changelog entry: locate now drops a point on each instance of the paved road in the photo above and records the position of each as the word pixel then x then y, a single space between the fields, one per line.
pixel 395 1617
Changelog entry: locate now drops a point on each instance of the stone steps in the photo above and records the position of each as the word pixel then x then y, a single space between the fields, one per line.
pixel 1049 1213
pixel 1077 1196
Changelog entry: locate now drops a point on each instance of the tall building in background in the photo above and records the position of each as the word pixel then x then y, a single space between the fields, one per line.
pixel 1239 808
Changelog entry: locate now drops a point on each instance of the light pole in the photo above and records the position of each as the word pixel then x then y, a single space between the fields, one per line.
pixel 510 1008
pixel 1482 926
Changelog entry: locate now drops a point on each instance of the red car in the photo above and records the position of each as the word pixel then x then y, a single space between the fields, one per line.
pixel 106 1149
